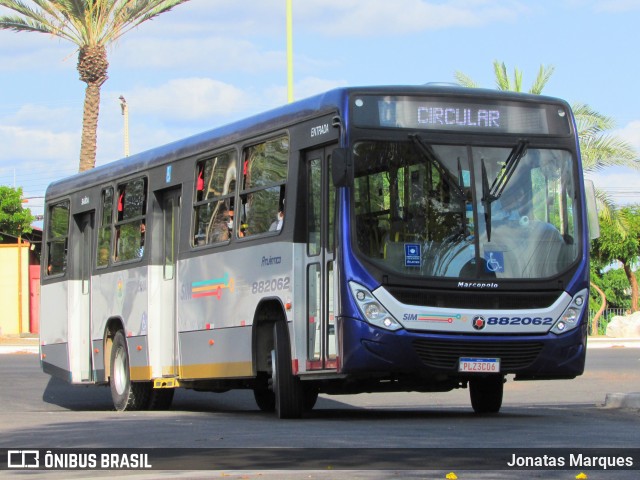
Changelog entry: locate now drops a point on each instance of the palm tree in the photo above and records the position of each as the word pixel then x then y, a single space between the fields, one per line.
pixel 91 25
pixel 503 82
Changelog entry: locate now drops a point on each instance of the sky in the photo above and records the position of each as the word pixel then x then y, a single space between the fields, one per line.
pixel 209 62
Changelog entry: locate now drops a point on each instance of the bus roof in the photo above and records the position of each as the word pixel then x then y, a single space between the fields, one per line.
pixel 279 118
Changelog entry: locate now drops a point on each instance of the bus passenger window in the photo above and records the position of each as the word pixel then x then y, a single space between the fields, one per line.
pixel 214 198
pixel 130 227
pixel 104 229
pixel 57 238
pixel 264 183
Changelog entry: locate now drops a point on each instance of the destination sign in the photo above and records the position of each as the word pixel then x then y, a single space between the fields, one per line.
pixel 454 114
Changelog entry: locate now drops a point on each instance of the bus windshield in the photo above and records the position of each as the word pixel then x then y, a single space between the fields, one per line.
pixel 464 211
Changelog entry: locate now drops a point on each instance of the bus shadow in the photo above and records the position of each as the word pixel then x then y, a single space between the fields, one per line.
pixel 241 402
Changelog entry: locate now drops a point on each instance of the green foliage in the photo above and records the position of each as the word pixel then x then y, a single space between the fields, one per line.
pixel 616 245
pixel 14 219
pixel 622 245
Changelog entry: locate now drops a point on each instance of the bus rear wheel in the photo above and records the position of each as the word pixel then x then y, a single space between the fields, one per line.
pixel 265 399
pixel 486 394
pixel 160 398
pixel 126 395
pixel 287 388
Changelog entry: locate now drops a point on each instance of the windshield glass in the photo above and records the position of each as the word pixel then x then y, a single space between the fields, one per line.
pixel 430 210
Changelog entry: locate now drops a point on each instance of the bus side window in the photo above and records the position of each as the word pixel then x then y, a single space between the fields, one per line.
pixel 214 199
pixel 105 229
pixel 264 183
pixel 57 238
pixel 130 225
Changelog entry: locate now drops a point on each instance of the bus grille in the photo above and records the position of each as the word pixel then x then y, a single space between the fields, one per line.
pixel 512 355
pixel 479 300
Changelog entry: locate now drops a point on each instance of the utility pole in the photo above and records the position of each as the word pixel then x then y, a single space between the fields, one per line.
pixel 125 114
pixel 289 52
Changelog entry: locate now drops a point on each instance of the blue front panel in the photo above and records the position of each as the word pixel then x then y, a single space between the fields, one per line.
pixel 367 349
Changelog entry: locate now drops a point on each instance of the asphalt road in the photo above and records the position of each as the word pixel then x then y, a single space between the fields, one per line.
pixel 42 412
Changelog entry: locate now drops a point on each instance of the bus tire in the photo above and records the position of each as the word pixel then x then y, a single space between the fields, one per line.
pixel 287 388
pixel 265 399
pixel 126 395
pixel 160 398
pixel 310 398
pixel 486 394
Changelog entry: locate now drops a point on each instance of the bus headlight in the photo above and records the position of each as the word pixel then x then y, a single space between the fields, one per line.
pixel 372 310
pixel 571 316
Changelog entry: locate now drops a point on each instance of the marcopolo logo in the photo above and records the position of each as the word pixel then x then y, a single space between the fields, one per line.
pixel 478 322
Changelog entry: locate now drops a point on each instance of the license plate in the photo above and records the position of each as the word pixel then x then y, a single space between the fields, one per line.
pixel 479 365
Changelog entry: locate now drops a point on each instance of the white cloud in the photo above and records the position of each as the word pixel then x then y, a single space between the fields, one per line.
pixel 631 133
pixel 382 18
pixel 20 143
pixel 188 99
pixel 617 6
pixel 201 53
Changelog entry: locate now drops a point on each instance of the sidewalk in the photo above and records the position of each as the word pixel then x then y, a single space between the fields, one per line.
pixel 25 343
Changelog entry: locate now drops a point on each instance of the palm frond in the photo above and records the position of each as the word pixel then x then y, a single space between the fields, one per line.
pixel 517 80
pixel 464 80
pixel 502 78
pixel 544 74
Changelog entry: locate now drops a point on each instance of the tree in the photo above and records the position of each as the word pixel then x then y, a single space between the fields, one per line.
pixel 15 220
pixel 503 82
pixel 91 25
pixel 624 247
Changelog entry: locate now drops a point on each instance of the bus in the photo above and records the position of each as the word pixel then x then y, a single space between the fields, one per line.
pixel 375 239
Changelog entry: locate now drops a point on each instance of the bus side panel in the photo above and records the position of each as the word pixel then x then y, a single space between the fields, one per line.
pixel 219 353
pixel 122 295
pixel 54 330
pixel 219 295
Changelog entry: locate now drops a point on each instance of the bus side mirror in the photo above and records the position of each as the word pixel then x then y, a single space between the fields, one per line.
pixel 340 167
pixel 592 209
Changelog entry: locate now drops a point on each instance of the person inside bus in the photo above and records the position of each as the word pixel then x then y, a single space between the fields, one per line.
pixel 532 248
pixel 222 226
pixel 143 229
pixel 276 226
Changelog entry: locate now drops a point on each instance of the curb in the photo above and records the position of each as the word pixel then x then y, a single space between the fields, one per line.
pixel 19 349
pixel 622 400
pixel 604 342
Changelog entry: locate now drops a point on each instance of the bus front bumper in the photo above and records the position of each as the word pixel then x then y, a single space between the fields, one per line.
pixel 368 349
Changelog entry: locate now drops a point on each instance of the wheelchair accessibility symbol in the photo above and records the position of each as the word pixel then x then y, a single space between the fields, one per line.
pixel 494 261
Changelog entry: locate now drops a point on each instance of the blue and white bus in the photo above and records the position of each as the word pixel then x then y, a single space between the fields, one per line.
pixel 421 238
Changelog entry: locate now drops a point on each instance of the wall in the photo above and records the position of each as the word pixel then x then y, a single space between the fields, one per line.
pixel 14 289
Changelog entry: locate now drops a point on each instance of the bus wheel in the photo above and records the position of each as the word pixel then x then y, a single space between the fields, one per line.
pixel 310 398
pixel 126 395
pixel 160 398
pixel 265 399
pixel 287 389
pixel 486 394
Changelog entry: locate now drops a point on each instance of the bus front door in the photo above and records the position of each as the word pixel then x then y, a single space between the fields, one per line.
pixel 80 350
pixel 320 255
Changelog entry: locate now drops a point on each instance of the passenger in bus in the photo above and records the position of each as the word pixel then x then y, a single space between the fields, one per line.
pixel 276 226
pixel 143 229
pixel 222 226
pixel 532 248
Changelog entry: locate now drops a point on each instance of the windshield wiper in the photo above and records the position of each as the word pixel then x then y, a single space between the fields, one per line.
pixel 498 185
pixel 490 194
pixel 428 152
